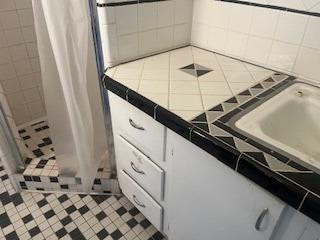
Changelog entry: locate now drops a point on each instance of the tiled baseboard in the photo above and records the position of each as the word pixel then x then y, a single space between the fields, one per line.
pixel 64 184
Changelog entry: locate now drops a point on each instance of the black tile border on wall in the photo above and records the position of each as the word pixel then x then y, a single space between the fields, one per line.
pixel 115 4
pixel 253 4
pixel 287 190
pixel 315 14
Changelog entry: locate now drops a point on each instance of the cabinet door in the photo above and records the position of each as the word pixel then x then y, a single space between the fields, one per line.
pixel 208 200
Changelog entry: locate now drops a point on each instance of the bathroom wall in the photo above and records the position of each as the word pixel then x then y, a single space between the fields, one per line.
pixel 134 30
pixel 20 74
pixel 282 40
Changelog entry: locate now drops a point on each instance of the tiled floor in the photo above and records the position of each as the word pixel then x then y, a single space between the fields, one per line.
pixel 42 161
pixel 69 216
pixel 188 80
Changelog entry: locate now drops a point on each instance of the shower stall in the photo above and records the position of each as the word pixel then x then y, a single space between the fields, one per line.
pixel 72 145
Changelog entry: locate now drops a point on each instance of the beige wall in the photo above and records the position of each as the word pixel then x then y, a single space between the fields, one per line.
pixel 20 75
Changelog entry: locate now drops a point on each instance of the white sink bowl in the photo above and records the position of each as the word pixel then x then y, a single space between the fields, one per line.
pixel 289 121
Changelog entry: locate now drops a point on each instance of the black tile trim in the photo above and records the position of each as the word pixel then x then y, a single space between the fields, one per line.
pixel 115 4
pixel 215 147
pixel 315 14
pixel 141 102
pixel 115 87
pixel 281 187
pixel 172 121
pixel 311 207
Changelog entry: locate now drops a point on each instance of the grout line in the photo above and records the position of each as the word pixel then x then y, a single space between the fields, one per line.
pixel 304 198
pixel 199 88
pixel 237 164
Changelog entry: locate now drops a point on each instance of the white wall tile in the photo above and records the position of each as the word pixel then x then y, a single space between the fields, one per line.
pixel 32 49
pixel 127 19
pixel 164 38
pixel 128 46
pixel 21 4
pixel 19 59
pixel 217 38
pixel 26 17
pixel 312 35
pixel 23 67
pixel 3 41
pixel 236 43
pixel 308 62
pixel 7 5
pixel 264 22
pixel 109 42
pixel 294 4
pixel 147 42
pixel 18 52
pixel 199 34
pixel 309 4
pixel 283 55
pixel 316 8
pixel 171 20
pixel 274 38
pixel 36 107
pixel 106 15
pixel 220 13
pixel 7 71
pixel 4 55
pixel 182 11
pixel 28 81
pixel 35 64
pixel 9 19
pixel 11 85
pixel 13 36
pixel 181 34
pixel 291 27
pixel 165 13
pixel 147 15
pixel 31 94
pixel 240 19
pixel 258 49
pixel 29 34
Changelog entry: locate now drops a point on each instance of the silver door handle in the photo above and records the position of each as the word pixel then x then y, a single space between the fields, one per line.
pixel 260 219
pixel 138 202
pixel 133 124
pixel 136 169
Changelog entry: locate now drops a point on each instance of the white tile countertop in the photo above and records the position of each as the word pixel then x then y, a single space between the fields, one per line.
pixel 189 80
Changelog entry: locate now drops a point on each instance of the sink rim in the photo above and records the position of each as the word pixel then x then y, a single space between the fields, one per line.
pixel 232 124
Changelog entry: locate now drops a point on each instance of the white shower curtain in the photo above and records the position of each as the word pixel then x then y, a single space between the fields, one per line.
pixel 71 89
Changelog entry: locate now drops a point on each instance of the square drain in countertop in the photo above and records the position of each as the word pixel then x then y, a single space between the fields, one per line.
pixel 196 70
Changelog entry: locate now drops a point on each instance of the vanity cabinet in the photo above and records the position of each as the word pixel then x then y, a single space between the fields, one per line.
pixel 188 194
pixel 208 200
pixel 139 147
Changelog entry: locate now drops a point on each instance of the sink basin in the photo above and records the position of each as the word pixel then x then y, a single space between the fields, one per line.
pixel 289 122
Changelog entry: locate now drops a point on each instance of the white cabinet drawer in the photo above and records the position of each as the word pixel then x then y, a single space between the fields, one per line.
pixel 139 128
pixel 142 201
pixel 138 166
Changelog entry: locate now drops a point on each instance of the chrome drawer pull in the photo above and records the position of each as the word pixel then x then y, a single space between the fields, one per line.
pixel 136 169
pixel 260 219
pixel 133 124
pixel 138 202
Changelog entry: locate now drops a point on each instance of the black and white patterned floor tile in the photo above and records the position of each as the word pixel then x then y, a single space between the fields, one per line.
pixel 28 215
pixel 43 161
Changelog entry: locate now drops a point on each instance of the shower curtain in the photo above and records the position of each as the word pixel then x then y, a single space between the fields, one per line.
pixel 71 87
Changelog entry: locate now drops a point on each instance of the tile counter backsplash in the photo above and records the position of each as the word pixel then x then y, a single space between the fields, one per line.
pixel 134 30
pixel 279 39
